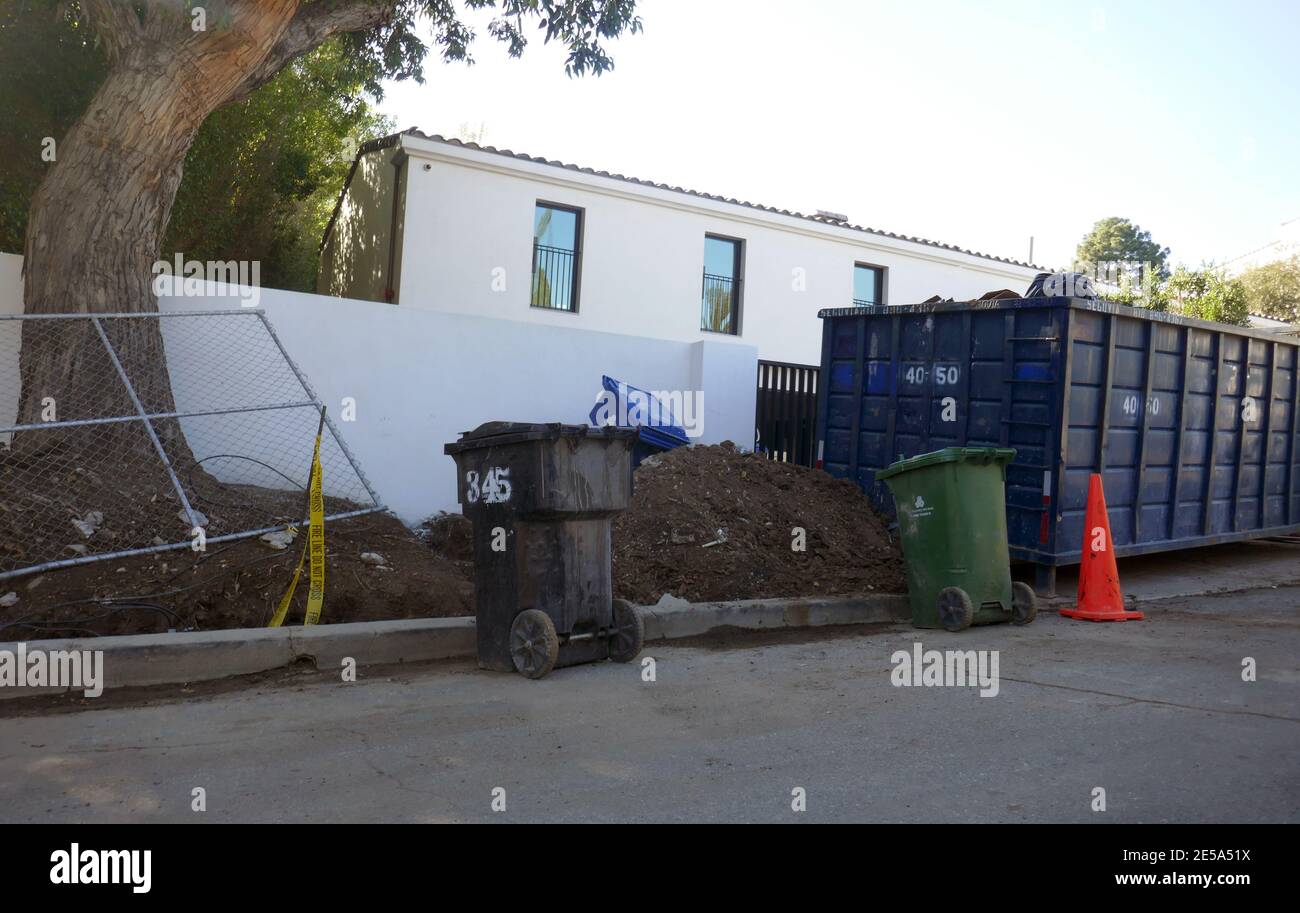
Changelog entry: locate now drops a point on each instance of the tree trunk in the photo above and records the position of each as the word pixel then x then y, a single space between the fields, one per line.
pixel 97 220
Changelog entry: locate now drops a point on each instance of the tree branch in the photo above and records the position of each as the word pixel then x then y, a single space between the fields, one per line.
pixel 314 24
pixel 116 25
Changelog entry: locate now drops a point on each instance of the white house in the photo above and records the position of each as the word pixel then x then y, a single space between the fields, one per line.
pixel 517 283
pixel 439 224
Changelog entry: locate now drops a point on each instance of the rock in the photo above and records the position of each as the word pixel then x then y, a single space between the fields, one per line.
pixel 79 549
pixel 281 539
pixel 159 540
pixel 89 523
pixel 8 599
pixel 373 558
pixel 35 582
pixel 199 517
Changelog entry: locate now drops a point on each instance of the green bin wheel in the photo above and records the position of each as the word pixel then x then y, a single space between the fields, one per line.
pixel 627 636
pixel 534 645
pixel 955 609
pixel 1024 604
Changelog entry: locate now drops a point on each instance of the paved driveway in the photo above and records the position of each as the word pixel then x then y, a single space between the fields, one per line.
pixel 1155 713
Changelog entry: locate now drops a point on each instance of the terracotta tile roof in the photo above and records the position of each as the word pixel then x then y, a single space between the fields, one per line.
pixel 383 142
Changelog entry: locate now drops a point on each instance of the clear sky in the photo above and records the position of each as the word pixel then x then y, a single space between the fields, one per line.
pixel 973 123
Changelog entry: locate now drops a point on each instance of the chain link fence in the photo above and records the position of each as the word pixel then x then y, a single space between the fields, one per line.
pixel 120 434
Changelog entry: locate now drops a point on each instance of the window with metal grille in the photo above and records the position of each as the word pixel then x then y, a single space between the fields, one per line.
pixel 868 285
pixel 557 257
pixel 720 297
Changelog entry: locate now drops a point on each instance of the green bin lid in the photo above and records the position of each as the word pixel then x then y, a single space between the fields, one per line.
pixel 948 455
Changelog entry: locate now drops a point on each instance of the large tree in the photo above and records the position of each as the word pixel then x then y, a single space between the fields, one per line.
pixel 97 221
pixel 1118 241
pixel 1273 289
pixel 260 179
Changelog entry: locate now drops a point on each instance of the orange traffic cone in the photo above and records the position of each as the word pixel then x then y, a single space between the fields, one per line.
pixel 1100 598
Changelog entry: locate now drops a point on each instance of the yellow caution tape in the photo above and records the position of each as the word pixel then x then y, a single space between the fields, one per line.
pixel 315 547
pixel 316 542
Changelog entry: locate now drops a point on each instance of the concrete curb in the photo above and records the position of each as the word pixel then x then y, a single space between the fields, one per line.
pixel 160 659
pixel 673 618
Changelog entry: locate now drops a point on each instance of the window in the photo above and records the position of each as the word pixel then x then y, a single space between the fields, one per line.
pixel 868 285
pixel 557 257
pixel 720 299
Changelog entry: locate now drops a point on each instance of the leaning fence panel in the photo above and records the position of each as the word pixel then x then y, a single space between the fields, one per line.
pixel 119 434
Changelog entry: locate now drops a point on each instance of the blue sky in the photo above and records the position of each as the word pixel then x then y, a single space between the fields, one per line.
pixel 977 124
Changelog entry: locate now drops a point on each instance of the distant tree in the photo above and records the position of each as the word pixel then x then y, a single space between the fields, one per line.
pixel 1143 291
pixel 1208 294
pixel 1273 289
pixel 1116 240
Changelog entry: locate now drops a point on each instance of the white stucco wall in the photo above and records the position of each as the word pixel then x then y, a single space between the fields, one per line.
pixel 11 302
pixel 11 284
pixel 470 213
pixel 420 378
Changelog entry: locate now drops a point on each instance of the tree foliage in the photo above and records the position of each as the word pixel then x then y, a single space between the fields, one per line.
pixel 1206 293
pixel 262 173
pixel 1273 289
pixel 262 176
pixel 1116 240
pixel 49 69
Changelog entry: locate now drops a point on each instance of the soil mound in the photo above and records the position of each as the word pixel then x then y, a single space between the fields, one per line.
pixel 712 523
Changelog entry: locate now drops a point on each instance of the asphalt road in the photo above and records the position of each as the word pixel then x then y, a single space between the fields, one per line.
pixel 1155 713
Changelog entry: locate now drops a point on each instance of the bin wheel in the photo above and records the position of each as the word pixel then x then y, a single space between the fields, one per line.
pixel 1024 604
pixel 534 645
pixel 627 636
pixel 955 609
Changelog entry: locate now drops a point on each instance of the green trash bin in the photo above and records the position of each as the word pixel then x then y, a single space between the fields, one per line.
pixel 952 518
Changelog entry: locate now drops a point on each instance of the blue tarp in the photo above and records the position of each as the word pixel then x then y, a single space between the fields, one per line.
pixel 659 428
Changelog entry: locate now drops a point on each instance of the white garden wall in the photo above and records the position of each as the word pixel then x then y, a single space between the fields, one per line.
pixel 420 378
pixel 11 302
pixel 11 284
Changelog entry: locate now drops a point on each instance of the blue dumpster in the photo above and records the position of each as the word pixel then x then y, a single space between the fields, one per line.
pixel 1192 425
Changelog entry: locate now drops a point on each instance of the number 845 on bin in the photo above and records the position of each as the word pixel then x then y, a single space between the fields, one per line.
pixel 492 488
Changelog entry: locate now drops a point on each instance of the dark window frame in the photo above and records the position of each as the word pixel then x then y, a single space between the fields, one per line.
pixel 880 271
pixel 579 237
pixel 737 284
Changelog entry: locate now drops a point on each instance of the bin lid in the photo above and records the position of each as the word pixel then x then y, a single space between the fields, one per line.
pixel 948 455
pixel 495 434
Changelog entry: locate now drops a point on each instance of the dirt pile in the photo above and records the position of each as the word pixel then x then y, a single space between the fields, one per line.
pixel 705 523
pixel 712 523
pixel 238 585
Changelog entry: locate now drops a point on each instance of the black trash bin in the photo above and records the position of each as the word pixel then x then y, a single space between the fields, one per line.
pixel 541 498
